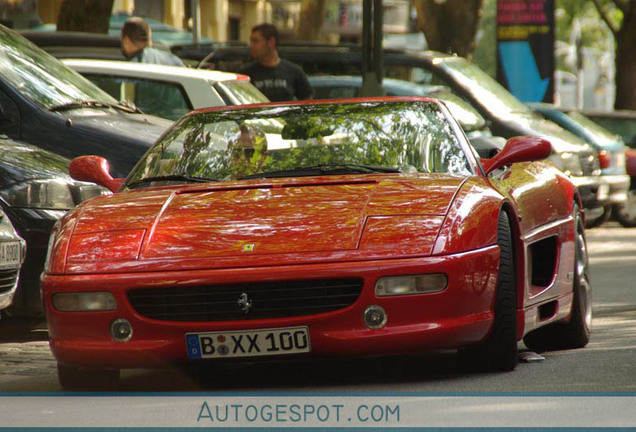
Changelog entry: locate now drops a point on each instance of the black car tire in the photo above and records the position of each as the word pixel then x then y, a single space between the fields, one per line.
pixel 576 332
pixel 625 214
pixel 499 352
pixel 604 217
pixel 73 378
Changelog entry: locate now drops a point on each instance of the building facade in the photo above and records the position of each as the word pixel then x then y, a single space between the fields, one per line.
pixel 223 20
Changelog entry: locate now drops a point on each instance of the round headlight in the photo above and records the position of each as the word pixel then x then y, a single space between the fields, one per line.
pixel 374 317
pixel 121 330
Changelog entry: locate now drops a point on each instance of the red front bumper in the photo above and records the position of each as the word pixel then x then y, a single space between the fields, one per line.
pixel 458 316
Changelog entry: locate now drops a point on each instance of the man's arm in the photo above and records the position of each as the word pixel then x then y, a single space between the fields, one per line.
pixel 304 90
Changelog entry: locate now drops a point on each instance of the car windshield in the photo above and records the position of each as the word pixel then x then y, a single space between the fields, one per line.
pixel 42 78
pixel 484 88
pixel 305 140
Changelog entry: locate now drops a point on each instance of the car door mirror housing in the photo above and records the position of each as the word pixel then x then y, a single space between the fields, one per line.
pixel 518 149
pixel 93 169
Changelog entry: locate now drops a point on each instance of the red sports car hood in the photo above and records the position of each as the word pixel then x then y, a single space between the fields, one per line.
pixel 261 220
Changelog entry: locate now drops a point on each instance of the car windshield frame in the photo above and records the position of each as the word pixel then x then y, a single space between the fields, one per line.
pixel 295 140
pixel 41 78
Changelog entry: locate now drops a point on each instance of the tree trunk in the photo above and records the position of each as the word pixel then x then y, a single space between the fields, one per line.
pixel 450 26
pixel 311 19
pixel 626 63
pixel 91 16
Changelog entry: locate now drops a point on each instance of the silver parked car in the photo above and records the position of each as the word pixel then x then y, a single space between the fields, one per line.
pixel 12 253
pixel 167 91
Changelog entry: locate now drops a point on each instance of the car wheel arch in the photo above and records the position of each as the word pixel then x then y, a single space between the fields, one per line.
pixel 474 200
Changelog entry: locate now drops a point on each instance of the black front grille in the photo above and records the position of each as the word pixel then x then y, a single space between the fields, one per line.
pixel 8 279
pixel 265 300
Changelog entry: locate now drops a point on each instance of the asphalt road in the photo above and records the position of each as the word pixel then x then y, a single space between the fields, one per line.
pixel 607 364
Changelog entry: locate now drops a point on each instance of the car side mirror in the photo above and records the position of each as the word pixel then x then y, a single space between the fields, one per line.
pixel 518 149
pixel 94 169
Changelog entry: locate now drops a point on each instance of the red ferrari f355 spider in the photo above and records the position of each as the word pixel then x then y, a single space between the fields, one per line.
pixel 323 228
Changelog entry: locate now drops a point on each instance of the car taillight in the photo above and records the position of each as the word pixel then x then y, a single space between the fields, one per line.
pixel 604 158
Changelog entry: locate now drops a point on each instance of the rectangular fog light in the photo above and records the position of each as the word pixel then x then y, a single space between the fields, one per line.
pixel 413 284
pixel 86 301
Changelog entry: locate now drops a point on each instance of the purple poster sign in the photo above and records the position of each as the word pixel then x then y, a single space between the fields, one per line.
pixel 525 48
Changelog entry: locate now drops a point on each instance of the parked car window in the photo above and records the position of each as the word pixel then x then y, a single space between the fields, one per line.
pixel 622 125
pixel 42 78
pixel 601 135
pixel 325 92
pixel 160 98
pixel 226 145
pixel 411 73
pixel 239 93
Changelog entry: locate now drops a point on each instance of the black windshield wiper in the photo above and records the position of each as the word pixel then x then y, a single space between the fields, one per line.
pixel 330 169
pixel 169 178
pixel 93 104
pixel 363 169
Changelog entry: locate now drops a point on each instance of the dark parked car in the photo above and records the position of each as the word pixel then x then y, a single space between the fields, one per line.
pixel 64 44
pixel 35 191
pixel 12 251
pixel 507 115
pixel 610 147
pixel 47 104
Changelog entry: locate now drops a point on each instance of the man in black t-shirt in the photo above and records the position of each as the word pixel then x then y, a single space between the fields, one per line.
pixel 278 79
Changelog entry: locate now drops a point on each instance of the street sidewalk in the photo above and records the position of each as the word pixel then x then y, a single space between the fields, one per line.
pixel 24 350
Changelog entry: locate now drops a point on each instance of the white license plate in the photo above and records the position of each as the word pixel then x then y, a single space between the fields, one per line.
pixel 268 342
pixel 10 254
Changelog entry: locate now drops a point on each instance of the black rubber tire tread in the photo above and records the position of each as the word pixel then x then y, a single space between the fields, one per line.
pixel 619 215
pixel 606 216
pixel 576 332
pixel 499 352
pixel 73 378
